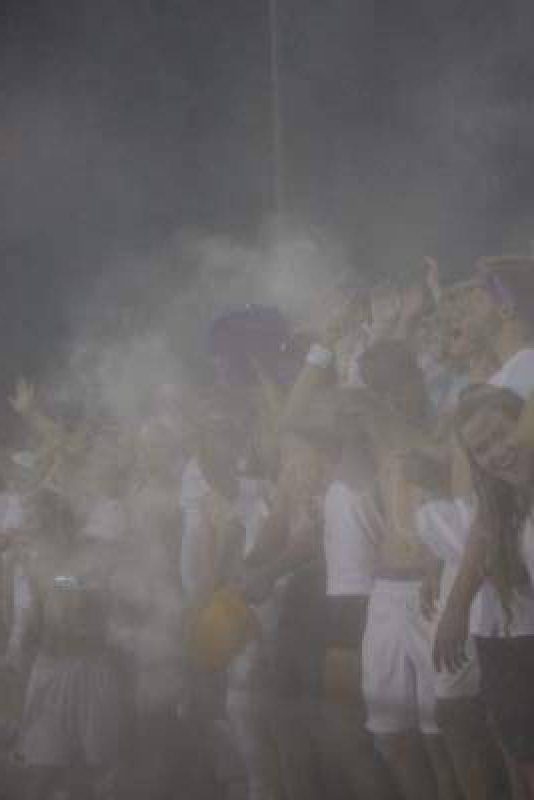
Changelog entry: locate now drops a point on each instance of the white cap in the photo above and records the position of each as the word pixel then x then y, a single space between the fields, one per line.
pixel 25 459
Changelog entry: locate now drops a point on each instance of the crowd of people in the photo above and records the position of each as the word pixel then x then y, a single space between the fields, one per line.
pixel 310 577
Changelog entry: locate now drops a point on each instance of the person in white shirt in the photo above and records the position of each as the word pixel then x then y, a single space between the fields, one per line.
pixel 501 311
pixel 283 580
pixel 503 477
pixel 218 513
pixel 15 606
pixel 194 561
pixel 247 696
pixel 352 534
pixel 444 524
pixel 398 677
pixel 14 583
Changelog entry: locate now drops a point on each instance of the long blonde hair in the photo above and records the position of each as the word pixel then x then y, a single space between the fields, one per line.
pixel 503 508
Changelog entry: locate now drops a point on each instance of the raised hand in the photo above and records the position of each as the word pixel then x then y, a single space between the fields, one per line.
pixel 432 277
pixel 23 398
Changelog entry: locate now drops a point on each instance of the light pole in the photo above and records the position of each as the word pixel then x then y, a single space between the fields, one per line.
pixel 276 114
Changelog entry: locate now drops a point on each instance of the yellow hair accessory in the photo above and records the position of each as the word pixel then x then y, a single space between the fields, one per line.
pixel 222 630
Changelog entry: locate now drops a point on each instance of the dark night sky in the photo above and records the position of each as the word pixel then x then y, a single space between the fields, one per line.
pixel 408 128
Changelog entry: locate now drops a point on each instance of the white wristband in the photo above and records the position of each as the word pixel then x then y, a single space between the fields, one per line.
pixel 319 356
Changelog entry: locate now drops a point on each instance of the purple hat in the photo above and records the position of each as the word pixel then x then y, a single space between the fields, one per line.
pixel 254 338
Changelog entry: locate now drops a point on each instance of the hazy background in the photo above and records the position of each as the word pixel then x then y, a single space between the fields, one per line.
pixel 408 129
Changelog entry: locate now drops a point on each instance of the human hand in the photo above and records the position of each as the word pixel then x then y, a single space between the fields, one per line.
pixel 429 594
pixel 451 636
pixel 338 325
pixel 23 398
pixel 432 277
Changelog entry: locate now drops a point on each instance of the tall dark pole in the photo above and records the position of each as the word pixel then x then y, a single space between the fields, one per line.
pixel 276 111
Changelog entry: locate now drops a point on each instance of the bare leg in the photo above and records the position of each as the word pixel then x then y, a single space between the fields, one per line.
pixel 253 738
pixel 353 767
pixel 448 788
pixel 516 776
pixel 527 773
pixel 478 762
pixel 407 758
pixel 294 724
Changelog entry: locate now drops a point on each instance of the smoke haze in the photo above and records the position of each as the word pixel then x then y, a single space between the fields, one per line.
pixel 406 130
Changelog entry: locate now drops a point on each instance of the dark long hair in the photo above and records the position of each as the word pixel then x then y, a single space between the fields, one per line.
pixel 391 370
pixel 503 508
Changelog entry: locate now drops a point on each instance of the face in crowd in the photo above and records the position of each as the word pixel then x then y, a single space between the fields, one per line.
pixel 467 321
pixel 488 432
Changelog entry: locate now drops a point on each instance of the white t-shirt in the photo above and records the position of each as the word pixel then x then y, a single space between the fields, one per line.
pixel 517 374
pixel 443 526
pixel 351 538
pixel 12 516
pixel 250 508
pixel 196 541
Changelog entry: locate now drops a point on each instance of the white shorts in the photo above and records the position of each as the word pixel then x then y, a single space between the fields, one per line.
pixel 398 677
pixel 73 712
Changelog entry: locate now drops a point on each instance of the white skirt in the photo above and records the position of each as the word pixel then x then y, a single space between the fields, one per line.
pixel 73 711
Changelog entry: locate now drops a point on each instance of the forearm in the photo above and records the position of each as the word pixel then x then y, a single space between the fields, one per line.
pixel 257 580
pixel 271 541
pixel 314 375
pixel 292 558
pixel 472 572
pixel 286 562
